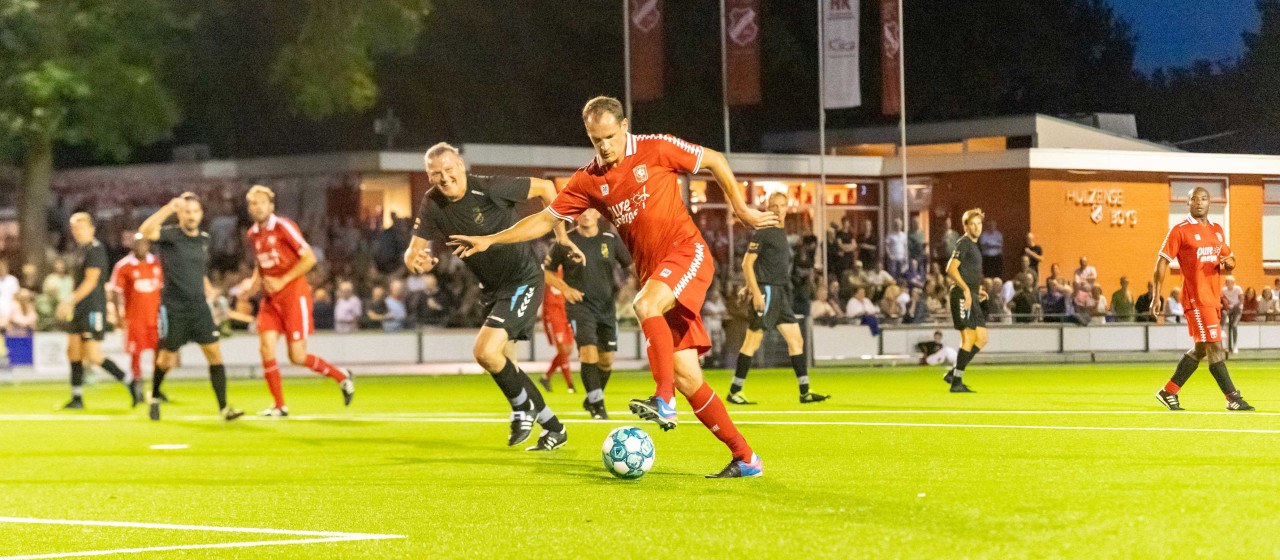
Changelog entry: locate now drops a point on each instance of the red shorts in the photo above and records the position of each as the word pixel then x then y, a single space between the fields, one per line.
pixel 688 271
pixel 556 324
pixel 287 311
pixel 141 337
pixel 1203 324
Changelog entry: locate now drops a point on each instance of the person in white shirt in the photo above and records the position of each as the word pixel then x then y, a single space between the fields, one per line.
pixel 1232 308
pixel 860 305
pixel 1099 304
pixel 347 309
pixel 1086 274
pixel 936 352
pixel 9 288
pixel 1173 308
pixel 896 247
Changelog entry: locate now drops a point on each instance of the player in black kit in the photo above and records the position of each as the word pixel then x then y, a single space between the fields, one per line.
pixel 589 291
pixel 767 267
pixel 511 281
pixel 185 315
pixel 86 313
pixel 965 272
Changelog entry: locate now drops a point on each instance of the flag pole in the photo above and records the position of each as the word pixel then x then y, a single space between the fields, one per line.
pixel 626 54
pixel 724 77
pixel 902 116
pixel 822 146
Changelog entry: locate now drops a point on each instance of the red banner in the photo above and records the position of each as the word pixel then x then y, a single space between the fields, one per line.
pixel 890 57
pixel 645 19
pixel 742 40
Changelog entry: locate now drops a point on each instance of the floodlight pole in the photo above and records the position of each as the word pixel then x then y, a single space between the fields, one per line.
pixel 724 77
pixel 902 118
pixel 821 191
pixel 626 56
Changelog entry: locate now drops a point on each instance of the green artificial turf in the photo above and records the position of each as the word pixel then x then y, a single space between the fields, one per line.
pixel 891 467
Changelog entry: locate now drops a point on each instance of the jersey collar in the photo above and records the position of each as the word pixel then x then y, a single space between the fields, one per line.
pixel 271 224
pixel 1193 220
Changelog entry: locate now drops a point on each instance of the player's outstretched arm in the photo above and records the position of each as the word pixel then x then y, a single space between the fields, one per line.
pixel 532 227
pixel 1157 280
pixel 546 190
pixel 150 227
pixel 719 167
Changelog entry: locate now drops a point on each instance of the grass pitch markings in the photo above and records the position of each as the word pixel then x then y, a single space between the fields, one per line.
pixel 317 537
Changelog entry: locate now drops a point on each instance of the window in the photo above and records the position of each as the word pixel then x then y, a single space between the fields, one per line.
pixel 1271 223
pixel 1178 190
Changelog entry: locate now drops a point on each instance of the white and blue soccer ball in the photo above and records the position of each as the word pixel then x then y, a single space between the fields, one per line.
pixel 628 452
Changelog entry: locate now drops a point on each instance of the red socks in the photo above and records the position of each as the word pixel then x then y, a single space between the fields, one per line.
pixel 564 369
pixel 135 366
pixel 1172 388
pixel 561 361
pixel 271 372
pixel 662 356
pixel 710 410
pixel 317 364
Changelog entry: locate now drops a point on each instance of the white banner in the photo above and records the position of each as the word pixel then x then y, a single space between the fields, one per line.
pixel 841 84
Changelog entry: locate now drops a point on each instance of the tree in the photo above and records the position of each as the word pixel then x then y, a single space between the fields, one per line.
pixel 80 72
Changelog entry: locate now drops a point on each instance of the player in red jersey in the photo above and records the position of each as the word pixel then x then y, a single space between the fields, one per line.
pixel 1202 253
pixel 135 289
pixel 634 181
pixel 283 258
pixel 555 322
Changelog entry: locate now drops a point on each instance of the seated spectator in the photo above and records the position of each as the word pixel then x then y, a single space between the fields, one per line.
pixel 1099 303
pixel 1173 308
pixel 347 310
pixel 1249 307
pixel 1054 302
pixel 1008 289
pixel 993 303
pixel 1083 304
pixel 889 301
pixel 46 308
pixel 917 307
pixel 60 281
pixel 1122 302
pixel 936 302
pixel 322 310
pixel 23 319
pixel 396 312
pixel 436 305
pixel 1142 305
pixel 1055 275
pixel 375 309
pixel 934 352
pixel 825 309
pixel 878 280
pixel 1267 305
pixel 863 311
pixel 916 276
pixel 1024 302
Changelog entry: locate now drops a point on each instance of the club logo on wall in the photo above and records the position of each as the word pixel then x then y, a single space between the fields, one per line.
pixel 743 27
pixel 646 15
pixel 1096 215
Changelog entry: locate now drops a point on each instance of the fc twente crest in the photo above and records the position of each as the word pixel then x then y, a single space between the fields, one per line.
pixel 641 172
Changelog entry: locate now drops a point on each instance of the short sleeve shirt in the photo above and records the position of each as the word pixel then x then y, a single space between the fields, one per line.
pixel 773 256
pixel 1198 247
pixel 94 256
pixel 184 260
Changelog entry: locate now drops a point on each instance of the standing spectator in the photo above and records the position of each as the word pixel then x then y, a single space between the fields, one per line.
pixel 1142 305
pixel 322 310
pixel 868 245
pixel 1034 253
pixel 347 310
pixel 46 305
pixel 1099 303
pixel 846 243
pixel 1174 307
pixel 1249 308
pixel 991 243
pixel 1122 302
pixel 1086 274
pixel 60 280
pixel 8 289
pixel 1232 309
pixel 949 240
pixel 895 244
pixel 23 319
pixel 1026 269
pixel 393 318
pixel 916 240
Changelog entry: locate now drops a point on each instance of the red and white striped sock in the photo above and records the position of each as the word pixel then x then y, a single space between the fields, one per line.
pixel 271 372
pixel 318 365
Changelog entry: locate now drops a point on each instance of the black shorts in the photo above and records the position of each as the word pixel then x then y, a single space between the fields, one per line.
pixel 593 328
pixel 966 319
pixel 514 310
pixel 88 322
pixel 180 326
pixel 777 308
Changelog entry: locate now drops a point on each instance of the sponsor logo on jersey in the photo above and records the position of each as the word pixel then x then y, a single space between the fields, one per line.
pixel 604 189
pixel 604 250
pixel 1208 254
pixel 665 273
pixel 479 217
pixel 626 211
pixel 1197 237
pixel 641 172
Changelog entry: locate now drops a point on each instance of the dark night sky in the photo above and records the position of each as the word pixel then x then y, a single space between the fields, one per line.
pixel 1177 32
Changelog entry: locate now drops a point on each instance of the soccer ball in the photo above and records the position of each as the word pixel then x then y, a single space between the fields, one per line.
pixel 628 452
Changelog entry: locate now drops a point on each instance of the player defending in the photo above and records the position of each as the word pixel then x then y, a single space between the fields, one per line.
pixel 672 259
pixel 589 289
pixel 965 271
pixel 767 267
pixel 1201 251
pixel 134 289
pixel 555 323
pixel 510 280
pixel 86 313
pixel 283 258
pixel 185 315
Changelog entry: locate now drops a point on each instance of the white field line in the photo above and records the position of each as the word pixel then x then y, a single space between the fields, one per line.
pixel 317 537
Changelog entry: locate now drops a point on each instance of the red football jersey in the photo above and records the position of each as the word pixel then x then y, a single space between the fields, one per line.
pixel 1198 246
pixel 277 246
pixel 553 298
pixel 640 195
pixel 139 282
